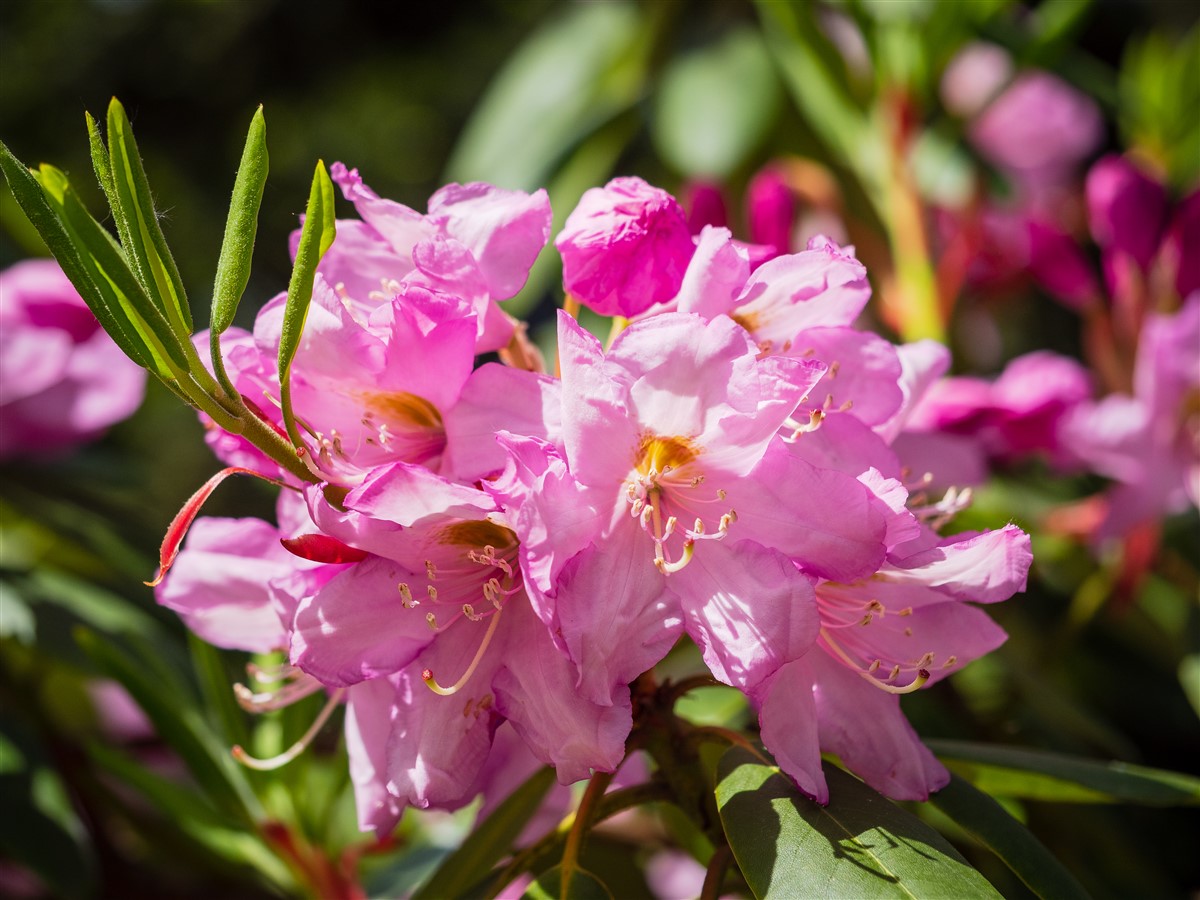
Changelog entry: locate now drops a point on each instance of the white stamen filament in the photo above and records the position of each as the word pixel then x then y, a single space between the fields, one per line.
pixel 427 675
pixel 275 762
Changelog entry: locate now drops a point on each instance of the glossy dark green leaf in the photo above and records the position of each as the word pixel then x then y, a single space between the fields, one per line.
pixel 581 885
pixel 989 823
pixel 1038 775
pixel 571 76
pixel 715 105
pixel 34 202
pixel 171 707
pixel 137 223
pixel 489 842
pixel 237 248
pixel 108 270
pixel 860 845
pixel 315 237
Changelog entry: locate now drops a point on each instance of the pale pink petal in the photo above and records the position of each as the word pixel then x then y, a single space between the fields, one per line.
pixel 747 608
pixel 369 709
pixel 788 716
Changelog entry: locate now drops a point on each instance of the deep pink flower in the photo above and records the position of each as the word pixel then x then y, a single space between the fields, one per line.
pixel 62 379
pixel 1013 417
pixel 625 248
pixel 1127 209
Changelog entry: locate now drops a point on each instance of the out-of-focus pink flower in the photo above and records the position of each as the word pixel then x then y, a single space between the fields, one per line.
pixel 973 77
pixel 1039 128
pixel 1149 443
pixel 1179 247
pixel 1015 416
pixel 62 379
pixel 1127 209
pixel 625 248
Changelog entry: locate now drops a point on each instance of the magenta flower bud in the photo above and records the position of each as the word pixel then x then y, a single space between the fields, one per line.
pixel 1059 265
pixel 1126 209
pixel 705 205
pixel 625 248
pixel 1183 235
pixel 62 379
pixel 770 210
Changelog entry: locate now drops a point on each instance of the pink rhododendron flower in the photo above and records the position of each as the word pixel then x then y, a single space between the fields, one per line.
pixel 476 244
pixel 625 248
pixel 62 379
pixel 672 497
pixel 906 626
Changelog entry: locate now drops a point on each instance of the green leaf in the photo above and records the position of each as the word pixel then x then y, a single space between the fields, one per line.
pixel 108 270
pixel 237 248
pixel 1038 775
pixel 39 828
pixel 580 885
pixel 137 224
pixel 988 822
pixel 101 163
pixel 35 203
pixel 170 706
pixel 815 75
pixel 860 845
pixel 489 842
pixel 315 237
pixel 715 105
pixel 574 74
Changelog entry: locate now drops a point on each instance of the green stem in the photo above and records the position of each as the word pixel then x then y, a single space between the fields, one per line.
pixel 584 817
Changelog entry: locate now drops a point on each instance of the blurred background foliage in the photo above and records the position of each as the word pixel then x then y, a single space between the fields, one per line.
pixel 528 94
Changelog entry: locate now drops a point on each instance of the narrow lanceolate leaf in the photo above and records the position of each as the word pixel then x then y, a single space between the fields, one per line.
pixel 137 223
pixel 860 845
pixel 101 164
pixel 1037 775
pixel 237 248
pixel 108 270
pixel 179 526
pixel 315 238
pixel 489 842
pixel 34 202
pixel 170 704
pixel 989 823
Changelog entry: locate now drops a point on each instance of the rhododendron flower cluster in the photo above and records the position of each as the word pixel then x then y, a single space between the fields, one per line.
pixel 487 556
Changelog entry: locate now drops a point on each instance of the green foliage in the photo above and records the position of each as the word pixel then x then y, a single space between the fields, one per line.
pixel 715 105
pixel 1159 94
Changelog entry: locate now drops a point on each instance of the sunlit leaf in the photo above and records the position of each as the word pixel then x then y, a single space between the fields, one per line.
pixel 237 248
pixel 315 237
pixel 108 311
pixel 860 845
pixel 137 223
pixel 989 823
pixel 1038 775
pixel 107 269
